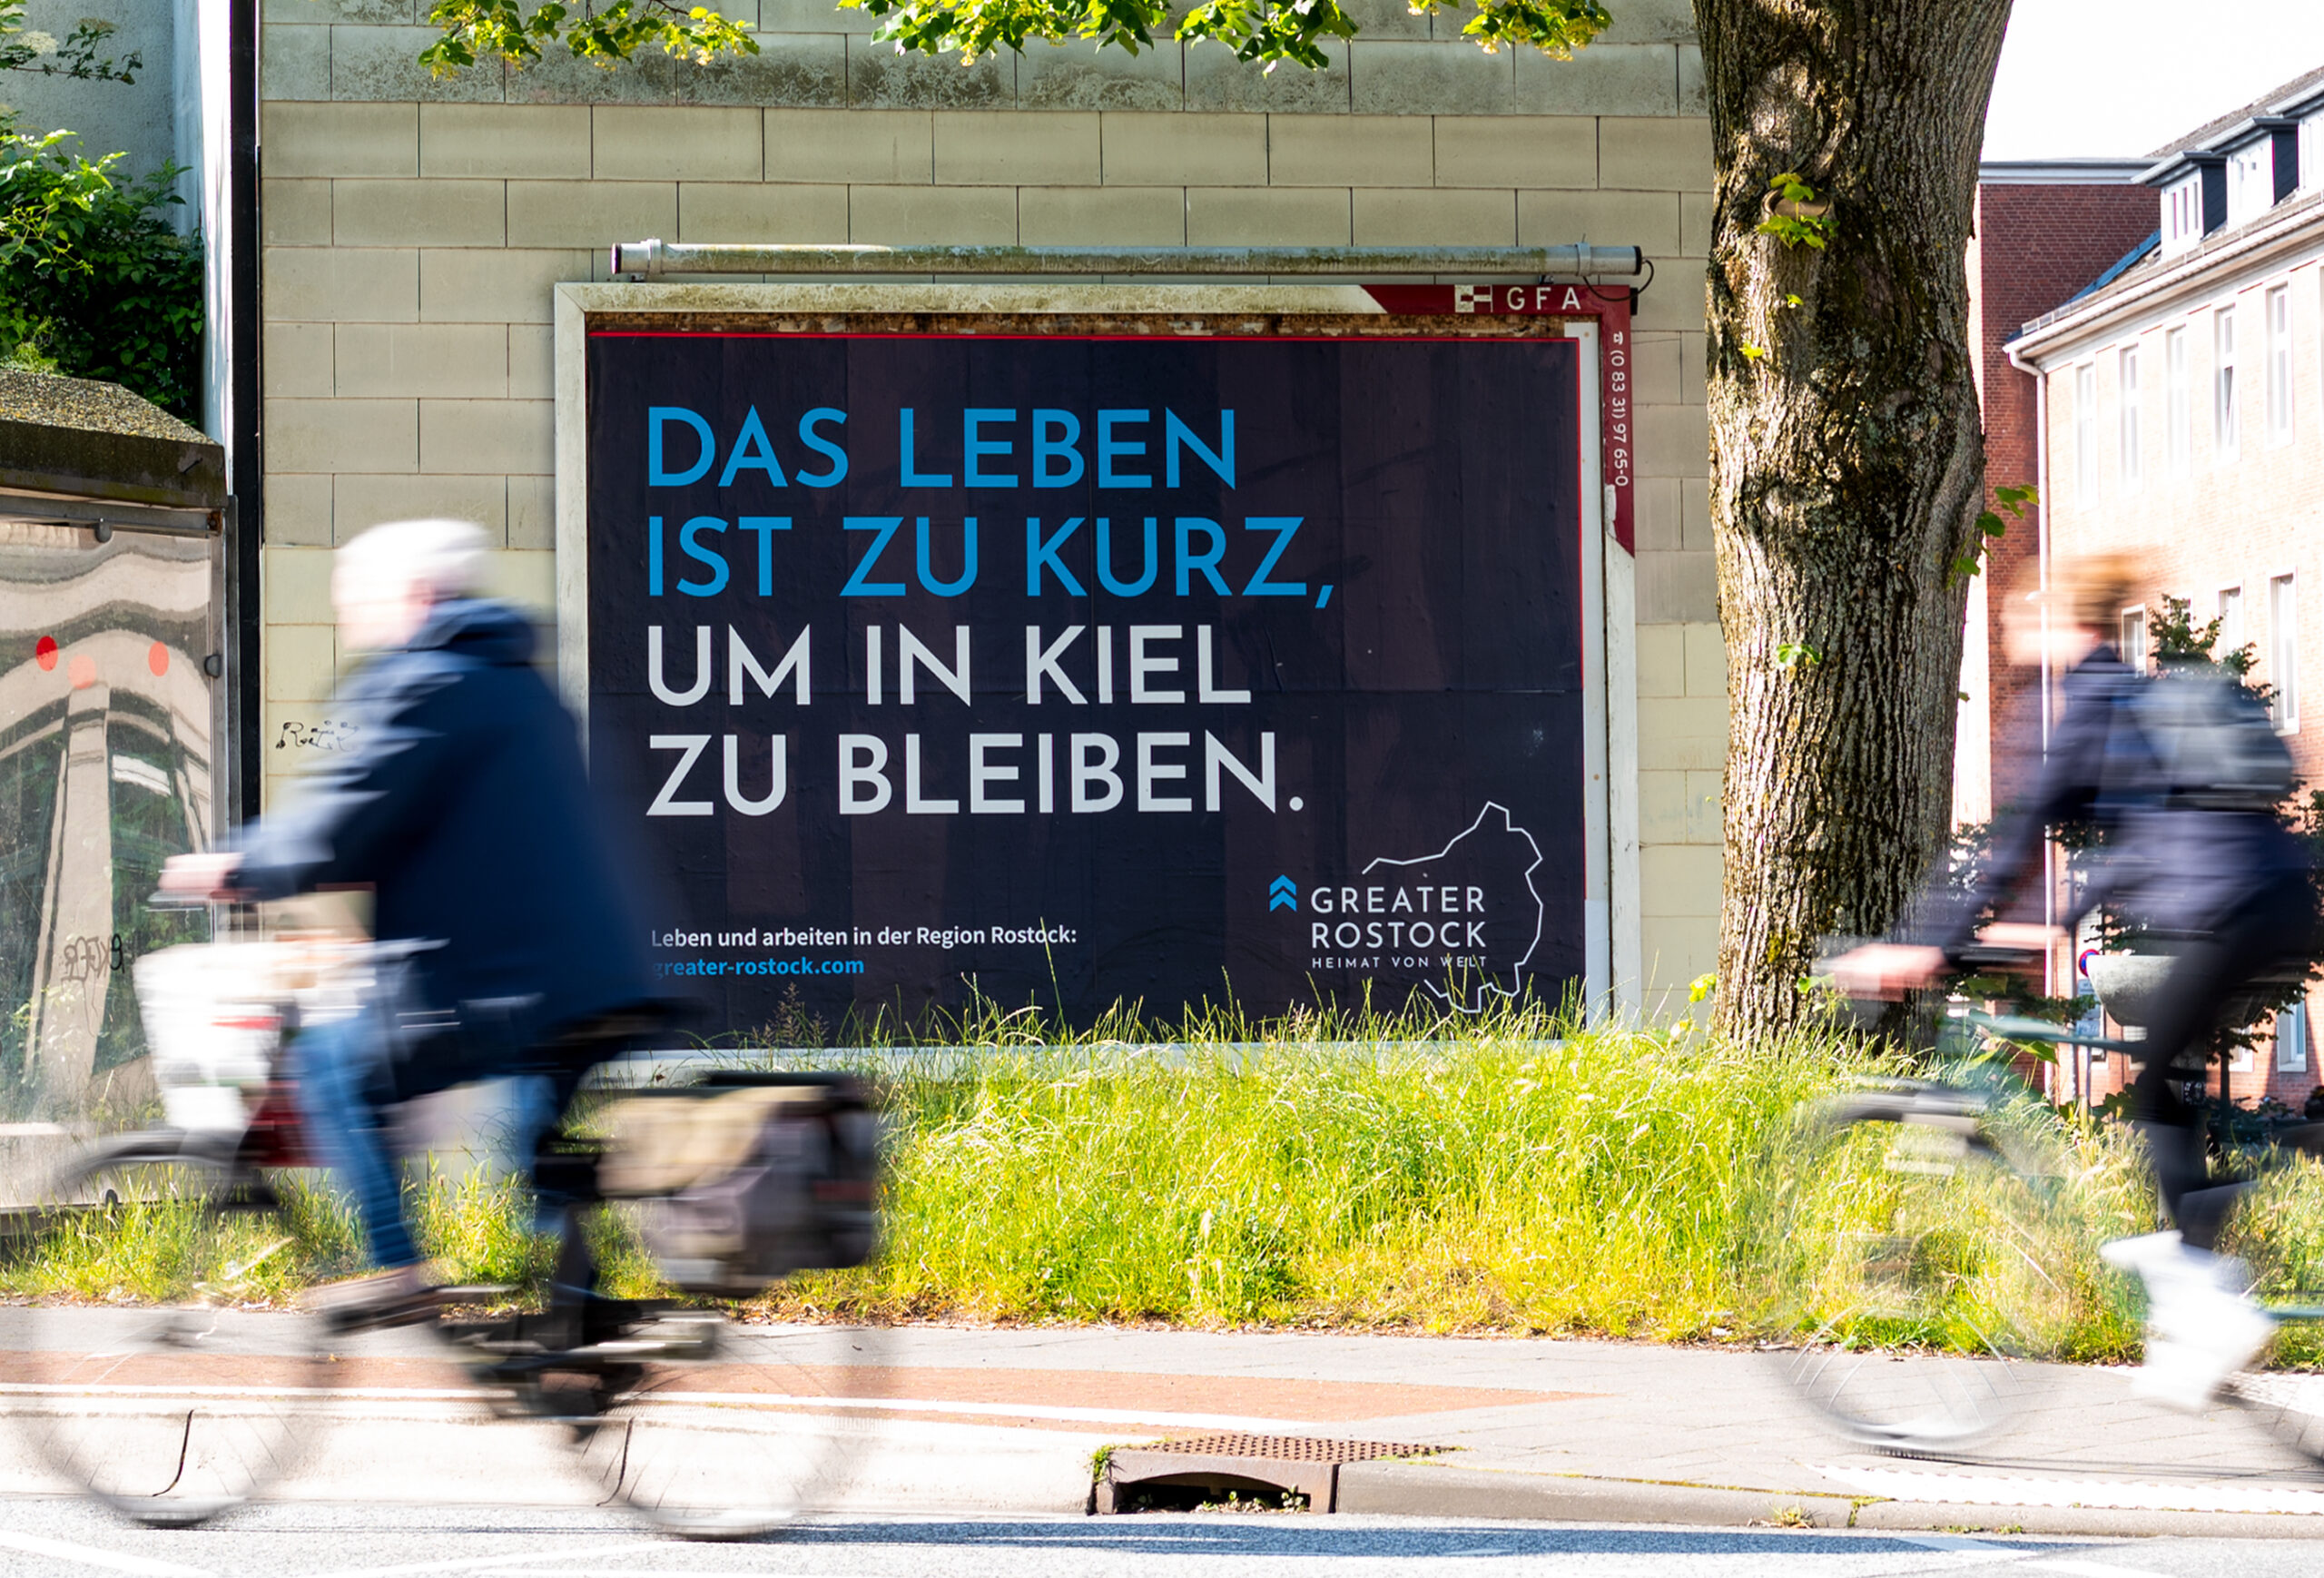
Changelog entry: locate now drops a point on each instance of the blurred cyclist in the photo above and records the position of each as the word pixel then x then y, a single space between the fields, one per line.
pixel 462 804
pixel 2203 865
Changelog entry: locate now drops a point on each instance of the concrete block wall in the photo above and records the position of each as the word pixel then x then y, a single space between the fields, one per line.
pixel 414 227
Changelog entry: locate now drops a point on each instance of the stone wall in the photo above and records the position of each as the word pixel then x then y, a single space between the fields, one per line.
pixel 414 228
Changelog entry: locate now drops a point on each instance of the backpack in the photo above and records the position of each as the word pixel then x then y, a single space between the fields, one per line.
pixel 742 1179
pixel 2215 746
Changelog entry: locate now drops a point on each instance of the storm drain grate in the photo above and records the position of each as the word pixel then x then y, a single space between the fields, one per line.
pixel 1291 1448
pixel 1203 1470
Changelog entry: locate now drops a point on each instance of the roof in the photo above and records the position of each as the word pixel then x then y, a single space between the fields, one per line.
pixel 2293 222
pixel 2302 86
pixel 2075 171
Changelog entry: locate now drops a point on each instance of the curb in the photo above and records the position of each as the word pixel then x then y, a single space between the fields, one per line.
pixel 1441 1490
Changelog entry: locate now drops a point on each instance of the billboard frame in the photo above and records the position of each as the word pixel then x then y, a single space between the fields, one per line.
pixel 1597 317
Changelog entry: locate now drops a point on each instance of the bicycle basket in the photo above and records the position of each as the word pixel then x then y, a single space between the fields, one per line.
pixel 213 1016
pixel 738 1185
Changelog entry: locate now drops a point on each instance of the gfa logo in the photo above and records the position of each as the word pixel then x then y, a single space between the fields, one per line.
pixel 1471 298
pixel 1283 893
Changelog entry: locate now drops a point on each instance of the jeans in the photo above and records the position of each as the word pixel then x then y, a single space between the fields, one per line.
pixel 2269 931
pixel 345 1085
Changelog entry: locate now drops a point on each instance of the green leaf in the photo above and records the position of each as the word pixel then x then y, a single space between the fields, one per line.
pixel 95 279
pixel 474 29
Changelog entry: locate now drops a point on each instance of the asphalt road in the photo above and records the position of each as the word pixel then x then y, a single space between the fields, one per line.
pixel 57 1538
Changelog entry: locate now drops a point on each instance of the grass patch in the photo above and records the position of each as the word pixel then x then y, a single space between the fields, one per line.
pixel 1507 1173
pixel 1503 1175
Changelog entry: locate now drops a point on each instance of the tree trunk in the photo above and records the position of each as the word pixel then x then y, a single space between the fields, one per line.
pixel 1847 463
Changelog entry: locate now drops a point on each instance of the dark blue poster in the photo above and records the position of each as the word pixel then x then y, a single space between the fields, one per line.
pixel 1074 671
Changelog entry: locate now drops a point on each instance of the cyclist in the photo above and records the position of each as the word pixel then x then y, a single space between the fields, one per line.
pixel 2222 879
pixel 461 803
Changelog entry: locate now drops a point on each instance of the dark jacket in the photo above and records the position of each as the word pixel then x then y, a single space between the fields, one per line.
pixel 2172 869
pixel 463 803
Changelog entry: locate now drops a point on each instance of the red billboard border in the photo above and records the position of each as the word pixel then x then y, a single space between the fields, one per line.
pixel 1610 307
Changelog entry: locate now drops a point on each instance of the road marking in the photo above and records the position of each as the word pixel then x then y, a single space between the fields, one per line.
pixel 1994 1490
pixel 483 1563
pixel 994 1410
pixel 126 1389
pixel 711 1399
pixel 2019 1556
pixel 93 1556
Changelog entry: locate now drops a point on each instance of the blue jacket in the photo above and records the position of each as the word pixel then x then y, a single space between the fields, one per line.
pixel 463 803
pixel 2175 870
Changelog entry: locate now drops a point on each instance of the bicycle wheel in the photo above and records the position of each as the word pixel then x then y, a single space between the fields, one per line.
pixel 195 1398
pixel 1907 1258
pixel 715 1431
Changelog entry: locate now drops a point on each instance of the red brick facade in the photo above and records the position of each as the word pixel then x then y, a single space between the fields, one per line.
pixel 2037 243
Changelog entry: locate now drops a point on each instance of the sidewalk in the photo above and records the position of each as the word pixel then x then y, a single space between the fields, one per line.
pixel 1007 1421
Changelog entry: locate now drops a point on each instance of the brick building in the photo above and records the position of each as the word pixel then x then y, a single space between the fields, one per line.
pixel 2180 411
pixel 2045 230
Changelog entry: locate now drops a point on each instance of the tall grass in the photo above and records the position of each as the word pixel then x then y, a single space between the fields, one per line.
pixel 1505 1173
pixel 1511 1174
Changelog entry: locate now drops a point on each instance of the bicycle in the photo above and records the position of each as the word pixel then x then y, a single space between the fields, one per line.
pixel 174 1412
pixel 1921 1254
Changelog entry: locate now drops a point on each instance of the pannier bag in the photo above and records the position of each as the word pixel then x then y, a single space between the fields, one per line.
pixel 744 1179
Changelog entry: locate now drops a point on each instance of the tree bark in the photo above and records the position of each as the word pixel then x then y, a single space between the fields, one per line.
pixel 1847 464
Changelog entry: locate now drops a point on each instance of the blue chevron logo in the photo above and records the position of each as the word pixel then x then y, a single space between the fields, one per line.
pixel 1283 893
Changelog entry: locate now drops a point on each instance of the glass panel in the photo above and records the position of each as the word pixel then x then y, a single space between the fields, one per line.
pixel 106 726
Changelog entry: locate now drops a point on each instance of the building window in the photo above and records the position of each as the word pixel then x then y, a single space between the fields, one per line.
pixel 2127 372
pixel 2179 416
pixel 2133 651
pixel 2311 152
pixel 2223 383
pixel 2280 365
pixel 2283 651
pixel 2230 622
pixel 2182 214
pixel 2292 1039
pixel 2085 434
pixel 2251 181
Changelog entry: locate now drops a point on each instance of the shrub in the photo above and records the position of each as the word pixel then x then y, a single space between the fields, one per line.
pixel 94 282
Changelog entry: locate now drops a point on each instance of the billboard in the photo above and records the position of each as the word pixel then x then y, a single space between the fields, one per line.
pixel 1079 669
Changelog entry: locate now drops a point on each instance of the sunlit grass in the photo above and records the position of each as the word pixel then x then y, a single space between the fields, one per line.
pixel 1510 1172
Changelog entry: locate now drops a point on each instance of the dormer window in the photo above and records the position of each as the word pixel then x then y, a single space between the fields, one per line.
pixel 2251 181
pixel 2182 213
pixel 2311 152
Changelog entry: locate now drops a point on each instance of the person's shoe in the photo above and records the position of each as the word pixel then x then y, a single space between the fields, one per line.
pixel 2146 1255
pixel 405 1295
pixel 2199 1327
pixel 2204 1338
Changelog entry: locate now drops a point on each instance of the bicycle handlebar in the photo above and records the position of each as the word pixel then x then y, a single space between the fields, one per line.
pixel 2015 1028
pixel 161 901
